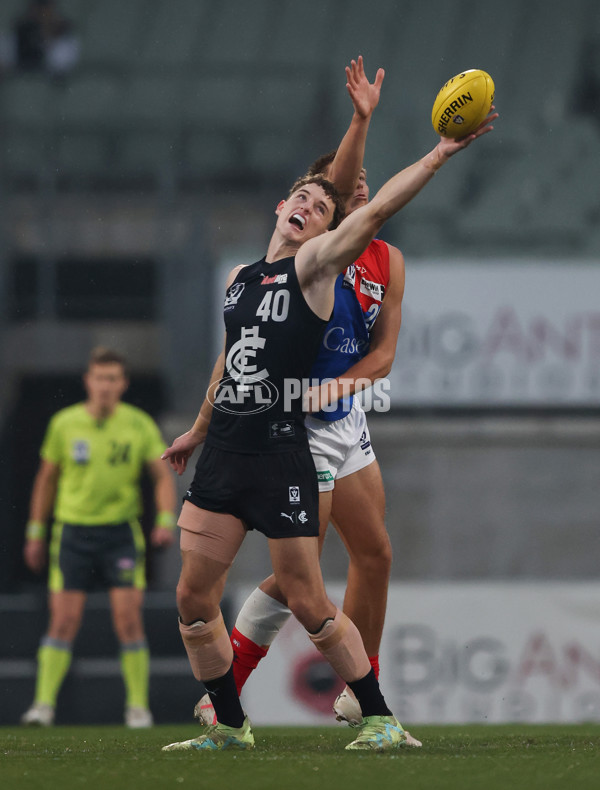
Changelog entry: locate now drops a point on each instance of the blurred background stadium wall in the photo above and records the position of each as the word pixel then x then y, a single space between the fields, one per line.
pixel 132 180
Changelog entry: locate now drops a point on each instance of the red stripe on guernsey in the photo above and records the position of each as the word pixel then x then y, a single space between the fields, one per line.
pixel 372 274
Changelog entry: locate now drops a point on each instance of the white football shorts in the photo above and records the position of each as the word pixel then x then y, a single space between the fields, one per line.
pixel 340 448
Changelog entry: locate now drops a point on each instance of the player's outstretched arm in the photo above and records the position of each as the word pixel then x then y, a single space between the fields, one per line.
pixel 364 95
pixel 348 161
pixel 334 251
pixel 404 186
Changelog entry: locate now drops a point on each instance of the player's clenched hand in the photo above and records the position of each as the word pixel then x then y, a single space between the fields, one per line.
pixel 179 453
pixel 35 555
pixel 364 95
pixel 161 537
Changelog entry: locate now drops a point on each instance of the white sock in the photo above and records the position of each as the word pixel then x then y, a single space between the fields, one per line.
pixel 261 618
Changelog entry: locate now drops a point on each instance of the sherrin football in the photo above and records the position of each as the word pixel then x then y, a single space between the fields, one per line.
pixel 463 103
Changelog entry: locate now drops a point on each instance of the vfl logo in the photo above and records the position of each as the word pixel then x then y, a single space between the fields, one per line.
pixel 350 276
pixel 233 294
pixel 294 495
pixel 365 444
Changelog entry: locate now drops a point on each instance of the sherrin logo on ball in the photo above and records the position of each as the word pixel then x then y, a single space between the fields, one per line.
pixel 463 103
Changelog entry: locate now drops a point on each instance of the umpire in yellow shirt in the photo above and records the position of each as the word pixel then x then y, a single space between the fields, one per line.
pixel 92 460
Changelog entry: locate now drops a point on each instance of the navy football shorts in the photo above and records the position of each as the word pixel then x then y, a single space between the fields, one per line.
pixel 274 493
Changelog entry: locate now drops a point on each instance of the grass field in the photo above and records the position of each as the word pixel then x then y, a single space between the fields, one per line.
pixel 519 757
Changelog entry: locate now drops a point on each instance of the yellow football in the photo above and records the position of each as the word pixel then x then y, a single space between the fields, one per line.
pixel 463 103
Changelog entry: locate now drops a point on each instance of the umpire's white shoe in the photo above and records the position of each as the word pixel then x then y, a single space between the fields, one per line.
pixel 346 708
pixel 138 718
pixel 40 714
pixel 204 711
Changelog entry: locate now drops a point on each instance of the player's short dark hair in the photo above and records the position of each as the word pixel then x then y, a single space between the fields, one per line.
pixel 330 191
pixel 321 164
pixel 101 355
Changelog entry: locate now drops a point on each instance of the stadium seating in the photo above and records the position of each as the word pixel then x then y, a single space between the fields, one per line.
pixel 110 33
pixel 80 155
pixel 171 34
pixel 25 155
pixel 28 101
pixel 235 37
pixel 90 100
pixel 199 90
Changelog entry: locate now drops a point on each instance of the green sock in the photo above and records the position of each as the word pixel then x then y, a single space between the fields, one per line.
pixel 54 659
pixel 135 666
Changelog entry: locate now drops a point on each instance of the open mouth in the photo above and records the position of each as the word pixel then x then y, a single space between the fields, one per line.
pixel 298 220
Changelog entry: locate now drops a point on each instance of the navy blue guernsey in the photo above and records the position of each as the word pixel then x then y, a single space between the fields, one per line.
pixel 272 342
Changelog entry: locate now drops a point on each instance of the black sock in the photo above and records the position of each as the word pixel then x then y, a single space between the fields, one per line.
pixel 225 699
pixel 367 692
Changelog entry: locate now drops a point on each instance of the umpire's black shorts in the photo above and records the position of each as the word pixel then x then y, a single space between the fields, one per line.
pixel 274 493
pixel 89 558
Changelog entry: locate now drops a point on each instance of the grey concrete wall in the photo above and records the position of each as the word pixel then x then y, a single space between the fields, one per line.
pixel 489 498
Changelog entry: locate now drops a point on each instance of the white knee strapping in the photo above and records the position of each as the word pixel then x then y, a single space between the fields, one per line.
pixel 261 618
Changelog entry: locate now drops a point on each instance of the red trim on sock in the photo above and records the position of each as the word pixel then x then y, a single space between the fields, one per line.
pixel 374 661
pixel 246 655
